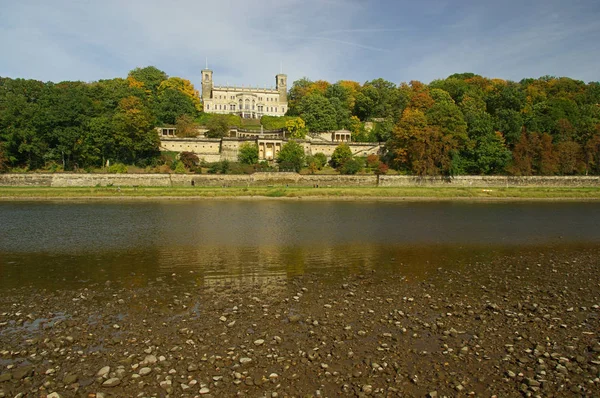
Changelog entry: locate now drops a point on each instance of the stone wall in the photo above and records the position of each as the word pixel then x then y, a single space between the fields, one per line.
pixel 489 181
pixel 282 179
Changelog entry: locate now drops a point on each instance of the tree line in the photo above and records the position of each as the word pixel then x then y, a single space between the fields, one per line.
pixel 77 125
pixel 464 124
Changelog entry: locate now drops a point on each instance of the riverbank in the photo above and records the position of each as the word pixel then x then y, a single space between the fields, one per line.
pixel 295 193
pixel 515 324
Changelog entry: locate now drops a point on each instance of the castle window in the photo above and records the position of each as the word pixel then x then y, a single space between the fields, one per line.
pixel 207 106
pixel 275 109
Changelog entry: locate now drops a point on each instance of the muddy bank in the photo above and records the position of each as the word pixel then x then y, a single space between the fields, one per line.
pixel 514 325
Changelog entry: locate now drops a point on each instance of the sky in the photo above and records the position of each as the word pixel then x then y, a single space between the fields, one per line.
pixel 248 42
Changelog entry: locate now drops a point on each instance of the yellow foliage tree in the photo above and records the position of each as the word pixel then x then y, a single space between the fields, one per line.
pixel 296 127
pixel 185 87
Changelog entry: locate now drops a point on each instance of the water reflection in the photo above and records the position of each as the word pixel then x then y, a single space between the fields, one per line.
pixel 59 245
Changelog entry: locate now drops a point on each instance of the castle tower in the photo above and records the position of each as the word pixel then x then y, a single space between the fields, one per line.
pixel 207 83
pixel 281 85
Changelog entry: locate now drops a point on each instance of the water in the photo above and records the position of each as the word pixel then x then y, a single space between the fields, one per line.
pixel 67 244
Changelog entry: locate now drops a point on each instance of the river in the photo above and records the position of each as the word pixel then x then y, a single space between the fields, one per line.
pixel 70 244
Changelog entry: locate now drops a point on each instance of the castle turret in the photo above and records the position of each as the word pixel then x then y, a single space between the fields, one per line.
pixel 281 85
pixel 207 83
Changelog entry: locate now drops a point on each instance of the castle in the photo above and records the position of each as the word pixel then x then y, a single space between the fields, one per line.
pixel 253 103
pixel 247 102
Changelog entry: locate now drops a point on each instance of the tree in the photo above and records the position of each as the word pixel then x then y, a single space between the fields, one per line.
pixel 248 153
pixel 185 126
pixel 150 78
pixel 134 132
pixel 341 155
pixel 189 160
pixel 421 148
pixel 291 156
pixel 185 87
pixel 171 104
pixel 3 159
pixel 218 126
pixel 296 127
pixel 351 166
pixel 318 113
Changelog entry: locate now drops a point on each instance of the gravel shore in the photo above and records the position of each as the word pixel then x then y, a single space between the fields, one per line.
pixel 525 325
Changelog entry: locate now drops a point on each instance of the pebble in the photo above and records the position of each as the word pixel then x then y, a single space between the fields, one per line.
pixel 103 372
pixel 204 390
pixel 112 382
pixel 144 371
pixel 245 360
pixel 259 342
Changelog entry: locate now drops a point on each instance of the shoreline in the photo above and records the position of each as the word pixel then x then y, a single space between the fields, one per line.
pixel 132 198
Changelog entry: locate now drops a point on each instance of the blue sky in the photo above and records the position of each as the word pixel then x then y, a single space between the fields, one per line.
pixel 246 42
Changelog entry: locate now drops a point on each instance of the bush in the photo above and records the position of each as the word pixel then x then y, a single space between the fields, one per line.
pixel 320 160
pixel 382 168
pixel 180 168
pixel 341 155
pixel 351 166
pixel 189 159
pixel 118 168
pixel 248 153
pixel 291 156
pixel 372 161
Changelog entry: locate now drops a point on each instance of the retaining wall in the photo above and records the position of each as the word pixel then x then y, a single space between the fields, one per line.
pixel 280 179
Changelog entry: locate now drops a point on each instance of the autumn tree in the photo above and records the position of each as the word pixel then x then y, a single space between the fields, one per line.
pixel 296 127
pixel 185 126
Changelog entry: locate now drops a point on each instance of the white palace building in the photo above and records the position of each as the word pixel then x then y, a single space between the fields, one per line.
pixel 248 102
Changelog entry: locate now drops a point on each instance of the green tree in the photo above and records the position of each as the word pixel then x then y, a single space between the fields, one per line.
pixel 248 153
pixel 341 155
pixel 318 113
pixel 3 159
pixel 218 126
pixel 171 104
pixel 150 78
pixel 291 156
pixel 351 166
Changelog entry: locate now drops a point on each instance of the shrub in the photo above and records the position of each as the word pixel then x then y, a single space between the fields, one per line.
pixel 351 166
pixel 291 156
pixel 382 168
pixel 118 168
pixel 180 168
pixel 372 161
pixel 189 159
pixel 341 155
pixel 320 160
pixel 248 153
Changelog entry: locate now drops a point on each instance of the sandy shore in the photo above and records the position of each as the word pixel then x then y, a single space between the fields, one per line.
pixel 508 326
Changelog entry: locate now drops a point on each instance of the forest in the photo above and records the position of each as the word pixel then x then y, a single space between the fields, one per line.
pixel 464 124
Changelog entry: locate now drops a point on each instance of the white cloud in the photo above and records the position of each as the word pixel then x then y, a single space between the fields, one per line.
pixel 245 42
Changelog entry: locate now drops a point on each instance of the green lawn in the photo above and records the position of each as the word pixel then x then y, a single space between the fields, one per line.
pixel 8 193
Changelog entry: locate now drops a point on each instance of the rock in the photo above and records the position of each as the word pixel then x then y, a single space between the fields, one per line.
pixel 5 377
pixel 112 382
pixel 70 379
pixel 150 360
pixel 432 394
pixel 23 372
pixel 166 384
pixel 103 372
pixel 145 371
pixel 53 395
pixel 192 367
pixel 259 342
pixel 204 390
pixel 245 360
pixel 100 395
